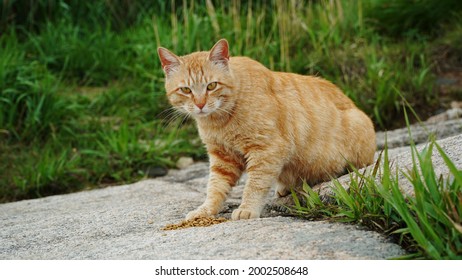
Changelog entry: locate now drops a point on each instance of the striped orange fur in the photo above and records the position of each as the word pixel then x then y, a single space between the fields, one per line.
pixel 281 128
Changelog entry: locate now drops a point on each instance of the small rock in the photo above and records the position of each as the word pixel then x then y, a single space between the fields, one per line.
pixel 156 171
pixel 450 114
pixel 184 162
pixel 456 104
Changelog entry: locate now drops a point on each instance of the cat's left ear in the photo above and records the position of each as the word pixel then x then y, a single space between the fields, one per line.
pixel 220 53
pixel 170 62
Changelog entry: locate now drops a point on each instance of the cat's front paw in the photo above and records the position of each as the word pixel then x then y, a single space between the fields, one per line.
pixel 244 213
pixel 199 213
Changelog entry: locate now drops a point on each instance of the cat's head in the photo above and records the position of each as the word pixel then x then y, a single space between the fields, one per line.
pixel 200 83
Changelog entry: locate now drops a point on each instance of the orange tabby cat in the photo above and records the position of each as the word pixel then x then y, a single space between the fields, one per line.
pixel 280 128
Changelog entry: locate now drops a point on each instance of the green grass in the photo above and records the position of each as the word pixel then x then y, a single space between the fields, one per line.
pixel 81 88
pixel 102 153
pixel 94 57
pixel 413 18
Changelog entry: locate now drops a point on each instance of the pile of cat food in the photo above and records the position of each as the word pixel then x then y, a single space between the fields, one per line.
pixel 197 222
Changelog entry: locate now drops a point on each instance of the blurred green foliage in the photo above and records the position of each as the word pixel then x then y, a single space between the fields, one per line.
pixel 81 89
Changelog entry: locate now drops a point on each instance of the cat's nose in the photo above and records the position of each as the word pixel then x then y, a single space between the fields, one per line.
pixel 200 105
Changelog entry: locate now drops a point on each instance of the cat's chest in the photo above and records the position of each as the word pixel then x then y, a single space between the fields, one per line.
pixel 229 138
pixel 236 140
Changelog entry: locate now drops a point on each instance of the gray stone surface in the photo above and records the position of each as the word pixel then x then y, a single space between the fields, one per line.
pixel 124 222
pixel 420 133
pixel 401 158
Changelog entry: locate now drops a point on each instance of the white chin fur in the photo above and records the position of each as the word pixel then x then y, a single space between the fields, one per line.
pixel 205 112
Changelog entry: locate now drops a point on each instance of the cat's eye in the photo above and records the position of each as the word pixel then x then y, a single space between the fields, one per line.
pixel 212 86
pixel 185 90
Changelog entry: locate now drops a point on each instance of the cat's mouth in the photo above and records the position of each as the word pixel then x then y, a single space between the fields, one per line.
pixel 202 114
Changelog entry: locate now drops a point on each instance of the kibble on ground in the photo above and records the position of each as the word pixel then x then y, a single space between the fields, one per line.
pixel 198 222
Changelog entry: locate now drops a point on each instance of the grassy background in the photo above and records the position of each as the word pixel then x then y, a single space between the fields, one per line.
pixel 81 90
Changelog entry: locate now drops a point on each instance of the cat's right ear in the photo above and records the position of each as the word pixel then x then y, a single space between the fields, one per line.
pixel 170 62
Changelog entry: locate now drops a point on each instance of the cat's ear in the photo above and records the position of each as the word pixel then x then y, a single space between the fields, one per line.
pixel 220 52
pixel 170 62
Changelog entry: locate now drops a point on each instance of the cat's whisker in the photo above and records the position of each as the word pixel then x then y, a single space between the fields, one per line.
pixel 224 110
pixel 185 117
pixel 169 115
pixel 165 113
pixel 237 121
pixel 176 121
pixel 172 118
pixel 172 113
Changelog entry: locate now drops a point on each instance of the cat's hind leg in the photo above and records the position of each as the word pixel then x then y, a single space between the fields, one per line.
pixel 282 190
pixel 288 179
